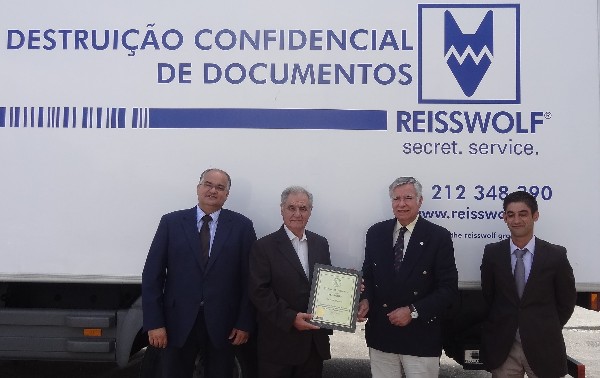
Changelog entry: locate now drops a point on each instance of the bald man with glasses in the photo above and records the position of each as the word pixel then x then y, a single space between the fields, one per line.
pixel 194 283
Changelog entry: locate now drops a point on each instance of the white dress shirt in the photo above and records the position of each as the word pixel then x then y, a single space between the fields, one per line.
pixel 301 248
pixel 410 227
pixel 527 257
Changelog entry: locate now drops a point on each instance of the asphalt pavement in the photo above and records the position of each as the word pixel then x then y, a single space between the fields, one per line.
pixel 581 333
pixel 349 351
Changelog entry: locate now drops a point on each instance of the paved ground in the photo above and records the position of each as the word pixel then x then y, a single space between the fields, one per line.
pixel 582 335
pixel 351 359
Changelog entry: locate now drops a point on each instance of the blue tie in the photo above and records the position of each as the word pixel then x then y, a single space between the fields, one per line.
pixel 399 249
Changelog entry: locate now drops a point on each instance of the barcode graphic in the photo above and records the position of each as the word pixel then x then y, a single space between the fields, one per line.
pixel 62 117
pixel 192 118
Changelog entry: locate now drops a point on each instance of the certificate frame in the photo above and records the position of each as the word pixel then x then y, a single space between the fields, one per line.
pixel 334 296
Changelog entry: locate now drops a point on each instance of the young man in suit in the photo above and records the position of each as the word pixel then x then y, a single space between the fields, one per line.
pixel 194 283
pixel 410 279
pixel 281 269
pixel 529 288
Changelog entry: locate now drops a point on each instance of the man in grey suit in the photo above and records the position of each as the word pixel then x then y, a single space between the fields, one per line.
pixel 410 280
pixel 281 269
pixel 529 288
pixel 194 283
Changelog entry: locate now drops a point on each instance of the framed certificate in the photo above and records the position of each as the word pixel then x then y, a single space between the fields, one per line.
pixel 334 296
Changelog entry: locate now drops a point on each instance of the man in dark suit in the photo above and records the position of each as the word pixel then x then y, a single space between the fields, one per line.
pixel 523 330
pixel 410 279
pixel 281 269
pixel 194 283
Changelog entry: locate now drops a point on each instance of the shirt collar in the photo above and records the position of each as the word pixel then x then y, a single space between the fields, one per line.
pixel 410 227
pixel 291 235
pixel 530 246
pixel 200 214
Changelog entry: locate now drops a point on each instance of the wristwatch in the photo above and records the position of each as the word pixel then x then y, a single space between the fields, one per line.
pixel 413 312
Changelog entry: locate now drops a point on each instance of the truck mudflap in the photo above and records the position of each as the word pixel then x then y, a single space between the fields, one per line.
pixel 130 336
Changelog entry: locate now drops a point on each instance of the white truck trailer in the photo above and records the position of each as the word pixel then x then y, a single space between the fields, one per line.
pixel 110 110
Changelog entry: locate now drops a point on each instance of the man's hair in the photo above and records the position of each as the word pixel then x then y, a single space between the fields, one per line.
pixel 406 180
pixel 216 170
pixel 521 196
pixel 294 190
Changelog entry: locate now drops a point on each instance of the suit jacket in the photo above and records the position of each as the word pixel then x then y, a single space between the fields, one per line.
pixel 280 289
pixel 175 285
pixel 427 279
pixel 546 305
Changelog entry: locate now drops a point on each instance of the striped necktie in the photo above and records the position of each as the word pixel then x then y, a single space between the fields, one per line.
pixel 399 249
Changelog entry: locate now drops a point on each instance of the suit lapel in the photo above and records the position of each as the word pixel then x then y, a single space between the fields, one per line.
pixel 538 262
pixel 314 255
pixel 221 235
pixel 190 228
pixel 414 250
pixel 386 244
pixel 287 250
pixel 506 269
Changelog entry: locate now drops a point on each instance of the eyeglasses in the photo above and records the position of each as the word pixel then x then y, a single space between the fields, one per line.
pixel 209 186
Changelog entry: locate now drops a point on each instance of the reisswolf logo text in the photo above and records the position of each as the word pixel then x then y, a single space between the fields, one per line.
pixel 469 54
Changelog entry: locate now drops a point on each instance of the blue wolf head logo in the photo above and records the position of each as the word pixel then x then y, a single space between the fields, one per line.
pixel 469 55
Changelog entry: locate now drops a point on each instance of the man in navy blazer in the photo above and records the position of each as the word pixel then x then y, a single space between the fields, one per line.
pixel 410 279
pixel 539 312
pixel 281 269
pixel 192 301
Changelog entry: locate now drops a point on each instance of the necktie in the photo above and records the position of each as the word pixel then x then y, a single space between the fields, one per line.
pixel 399 249
pixel 520 278
pixel 520 271
pixel 205 239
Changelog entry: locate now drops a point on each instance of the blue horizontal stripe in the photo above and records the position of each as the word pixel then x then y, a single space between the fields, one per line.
pixel 316 119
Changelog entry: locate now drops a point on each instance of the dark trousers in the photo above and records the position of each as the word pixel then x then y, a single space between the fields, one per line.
pixel 180 362
pixel 311 368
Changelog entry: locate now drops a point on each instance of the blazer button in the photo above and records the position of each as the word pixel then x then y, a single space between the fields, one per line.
pixel 415 292
pixel 424 272
pixel 385 305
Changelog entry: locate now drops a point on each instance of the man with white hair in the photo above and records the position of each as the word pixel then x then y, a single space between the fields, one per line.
pixel 410 279
pixel 281 269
